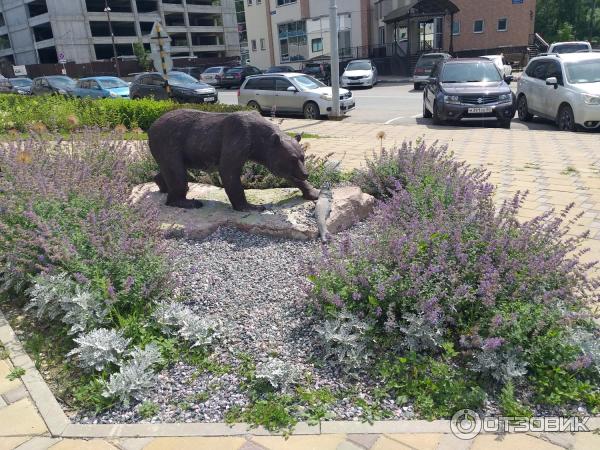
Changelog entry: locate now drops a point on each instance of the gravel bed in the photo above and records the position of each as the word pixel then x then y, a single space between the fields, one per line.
pixel 256 286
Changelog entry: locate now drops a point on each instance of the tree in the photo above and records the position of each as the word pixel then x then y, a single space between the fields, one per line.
pixel 143 56
pixel 555 18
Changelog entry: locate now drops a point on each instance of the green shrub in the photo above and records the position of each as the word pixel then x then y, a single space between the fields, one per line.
pixel 62 114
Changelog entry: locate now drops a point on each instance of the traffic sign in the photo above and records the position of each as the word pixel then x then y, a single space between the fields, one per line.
pixel 160 49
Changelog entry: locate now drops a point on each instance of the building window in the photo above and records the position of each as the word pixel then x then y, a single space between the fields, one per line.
pixel 456 28
pixel 249 2
pixel 503 24
pixel 285 2
pixel 478 26
pixel 258 2
pixel 381 35
pixel 262 44
pixel 317 45
pixel 253 44
pixel 292 41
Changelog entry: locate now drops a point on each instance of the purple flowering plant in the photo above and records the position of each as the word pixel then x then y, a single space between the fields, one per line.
pixel 443 266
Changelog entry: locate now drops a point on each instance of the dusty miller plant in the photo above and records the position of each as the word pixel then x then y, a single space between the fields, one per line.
pixel 420 334
pixel 177 319
pixel 345 342
pixel 280 375
pixel 589 344
pixel 99 348
pixel 501 364
pixel 135 376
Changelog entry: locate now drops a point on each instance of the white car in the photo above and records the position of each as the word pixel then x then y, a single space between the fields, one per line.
pixel 291 93
pixel 562 87
pixel 503 66
pixel 213 75
pixel 570 47
pixel 360 72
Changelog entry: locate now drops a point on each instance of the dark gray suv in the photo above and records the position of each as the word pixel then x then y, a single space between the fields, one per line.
pixel 183 88
pixel 470 88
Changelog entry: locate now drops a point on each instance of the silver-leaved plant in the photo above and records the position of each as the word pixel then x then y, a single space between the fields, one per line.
pixel 279 374
pixel 177 319
pixel 135 376
pixel 47 293
pixel 99 348
pixel 345 342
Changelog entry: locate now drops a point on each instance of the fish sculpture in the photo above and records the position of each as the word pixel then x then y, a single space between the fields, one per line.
pixel 322 211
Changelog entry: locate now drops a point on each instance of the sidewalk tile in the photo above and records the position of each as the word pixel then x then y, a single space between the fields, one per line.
pixel 511 442
pixel 21 418
pixel 82 444
pixel 5 384
pixel 39 443
pixel 16 394
pixel 200 443
pixel 133 443
pixel 10 443
pixel 587 441
pixel 417 440
pixel 364 440
pixel 317 442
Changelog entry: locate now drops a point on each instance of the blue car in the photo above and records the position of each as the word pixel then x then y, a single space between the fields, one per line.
pixel 101 87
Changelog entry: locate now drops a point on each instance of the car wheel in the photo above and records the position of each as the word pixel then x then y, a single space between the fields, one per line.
pixel 417 86
pixel 505 123
pixel 436 115
pixel 426 112
pixel 255 106
pixel 311 111
pixel 566 119
pixel 523 110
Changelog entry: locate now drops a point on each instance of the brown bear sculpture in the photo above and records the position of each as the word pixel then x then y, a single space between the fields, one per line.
pixel 189 139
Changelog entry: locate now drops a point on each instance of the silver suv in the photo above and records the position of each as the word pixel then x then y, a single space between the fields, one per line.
pixel 292 93
pixel 564 88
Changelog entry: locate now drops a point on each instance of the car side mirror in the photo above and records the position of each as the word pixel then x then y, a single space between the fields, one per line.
pixel 552 81
pixel 292 89
pixel 508 79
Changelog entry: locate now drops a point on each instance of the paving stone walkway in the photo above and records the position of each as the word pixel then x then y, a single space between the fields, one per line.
pixel 556 168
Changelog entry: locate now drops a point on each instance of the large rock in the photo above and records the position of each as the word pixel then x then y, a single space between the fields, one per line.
pixel 287 214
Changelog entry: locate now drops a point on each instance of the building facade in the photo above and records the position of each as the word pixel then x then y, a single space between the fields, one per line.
pixel 285 32
pixel 39 31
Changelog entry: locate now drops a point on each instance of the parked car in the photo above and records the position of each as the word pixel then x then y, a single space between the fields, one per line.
pixel 564 88
pixel 465 89
pixel 320 71
pixel 213 75
pixel 292 93
pixel 280 69
pixel 16 86
pixel 501 63
pixel 101 87
pixel 424 66
pixel 183 88
pixel 53 85
pixel 570 47
pixel 360 72
pixel 195 72
pixel 235 76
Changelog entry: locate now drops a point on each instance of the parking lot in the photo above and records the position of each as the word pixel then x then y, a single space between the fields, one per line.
pixel 397 103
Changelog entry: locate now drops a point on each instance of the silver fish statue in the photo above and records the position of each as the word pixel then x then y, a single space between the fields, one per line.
pixel 323 209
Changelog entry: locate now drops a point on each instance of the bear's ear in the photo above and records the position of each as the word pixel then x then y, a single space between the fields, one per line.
pixel 298 137
pixel 276 139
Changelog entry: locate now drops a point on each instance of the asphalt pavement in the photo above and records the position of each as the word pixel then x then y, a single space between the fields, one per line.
pixel 400 104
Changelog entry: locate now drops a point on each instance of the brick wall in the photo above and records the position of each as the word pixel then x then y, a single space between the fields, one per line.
pixel 521 19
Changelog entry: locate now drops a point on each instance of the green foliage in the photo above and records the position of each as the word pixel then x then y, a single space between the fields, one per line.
pixel 148 409
pixel 143 56
pixel 438 388
pixel 3 352
pixel 272 413
pixel 559 20
pixel 509 405
pixel 62 114
pixel 15 373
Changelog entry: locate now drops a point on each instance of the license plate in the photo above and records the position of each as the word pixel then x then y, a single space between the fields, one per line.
pixel 229 78
pixel 485 109
pixel 209 99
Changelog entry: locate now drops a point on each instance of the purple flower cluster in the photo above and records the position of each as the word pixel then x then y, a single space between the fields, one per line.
pixel 441 251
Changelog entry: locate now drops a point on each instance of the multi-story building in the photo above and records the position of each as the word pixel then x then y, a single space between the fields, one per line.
pixel 288 31
pixel 38 31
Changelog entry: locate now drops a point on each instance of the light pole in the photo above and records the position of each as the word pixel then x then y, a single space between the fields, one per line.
pixel 112 36
pixel 335 59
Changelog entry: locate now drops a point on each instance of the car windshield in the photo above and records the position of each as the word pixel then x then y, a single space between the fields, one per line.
pixel 181 78
pixel 307 83
pixel 570 48
pixel 428 61
pixel 22 82
pixel 472 72
pixel 213 70
pixel 62 82
pixel 112 83
pixel 359 65
pixel 312 69
pixel 583 71
pixel 235 70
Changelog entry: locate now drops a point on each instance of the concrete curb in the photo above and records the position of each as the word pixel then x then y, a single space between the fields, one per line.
pixel 60 426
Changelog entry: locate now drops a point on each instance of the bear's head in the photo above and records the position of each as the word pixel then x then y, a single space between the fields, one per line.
pixel 286 157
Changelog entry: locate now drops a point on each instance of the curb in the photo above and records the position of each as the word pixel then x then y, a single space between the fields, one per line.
pixel 60 426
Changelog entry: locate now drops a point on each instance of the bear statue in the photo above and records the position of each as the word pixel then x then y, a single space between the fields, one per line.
pixel 188 139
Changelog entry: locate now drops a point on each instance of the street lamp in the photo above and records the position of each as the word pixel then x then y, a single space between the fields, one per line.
pixel 112 36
